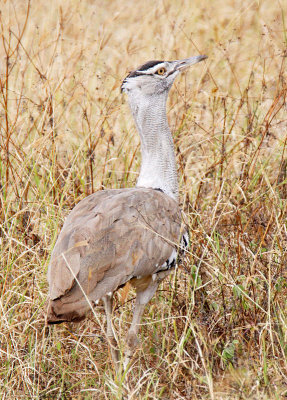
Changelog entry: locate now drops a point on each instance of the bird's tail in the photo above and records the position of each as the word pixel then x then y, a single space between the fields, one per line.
pixel 54 317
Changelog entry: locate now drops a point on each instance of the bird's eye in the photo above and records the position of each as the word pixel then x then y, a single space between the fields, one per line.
pixel 161 71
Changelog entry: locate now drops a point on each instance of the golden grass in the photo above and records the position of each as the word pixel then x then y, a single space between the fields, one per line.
pixel 218 328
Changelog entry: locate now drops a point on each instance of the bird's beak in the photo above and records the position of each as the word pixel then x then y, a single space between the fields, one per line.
pixel 187 62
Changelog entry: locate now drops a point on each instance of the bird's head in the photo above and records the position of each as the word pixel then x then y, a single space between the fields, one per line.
pixel 156 77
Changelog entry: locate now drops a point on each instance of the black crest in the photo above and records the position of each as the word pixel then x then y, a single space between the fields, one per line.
pixel 148 65
pixel 144 67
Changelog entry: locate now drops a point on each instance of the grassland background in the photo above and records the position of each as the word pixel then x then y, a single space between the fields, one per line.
pixel 217 329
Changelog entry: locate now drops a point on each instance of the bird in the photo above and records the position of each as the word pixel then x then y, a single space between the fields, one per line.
pixel 131 235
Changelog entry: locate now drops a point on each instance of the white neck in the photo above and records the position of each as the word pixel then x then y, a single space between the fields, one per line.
pixel 158 168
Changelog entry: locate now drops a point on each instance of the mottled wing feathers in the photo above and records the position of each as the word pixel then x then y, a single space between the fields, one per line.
pixel 109 238
pixel 65 262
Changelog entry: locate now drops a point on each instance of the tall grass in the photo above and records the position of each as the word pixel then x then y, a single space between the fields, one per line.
pixel 217 328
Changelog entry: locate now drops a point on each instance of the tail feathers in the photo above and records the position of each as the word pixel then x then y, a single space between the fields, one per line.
pixel 55 318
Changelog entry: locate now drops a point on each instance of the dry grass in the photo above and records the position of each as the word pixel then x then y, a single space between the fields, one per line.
pixel 218 328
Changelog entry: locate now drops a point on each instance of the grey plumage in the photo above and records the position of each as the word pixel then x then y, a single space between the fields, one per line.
pixel 125 235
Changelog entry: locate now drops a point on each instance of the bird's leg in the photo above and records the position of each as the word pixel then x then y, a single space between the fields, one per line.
pixel 143 297
pixel 108 304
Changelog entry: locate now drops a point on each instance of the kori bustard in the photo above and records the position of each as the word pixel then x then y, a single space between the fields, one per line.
pixel 132 235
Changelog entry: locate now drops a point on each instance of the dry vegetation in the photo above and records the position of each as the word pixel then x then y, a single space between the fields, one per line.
pixel 218 328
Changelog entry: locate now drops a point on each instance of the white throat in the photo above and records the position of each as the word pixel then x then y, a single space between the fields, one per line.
pixel 158 167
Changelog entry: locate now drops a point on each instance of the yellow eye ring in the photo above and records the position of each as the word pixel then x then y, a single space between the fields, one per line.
pixel 161 71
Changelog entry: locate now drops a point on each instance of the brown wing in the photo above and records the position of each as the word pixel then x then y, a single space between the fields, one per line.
pixel 109 238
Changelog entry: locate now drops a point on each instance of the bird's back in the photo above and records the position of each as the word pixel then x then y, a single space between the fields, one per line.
pixel 109 238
